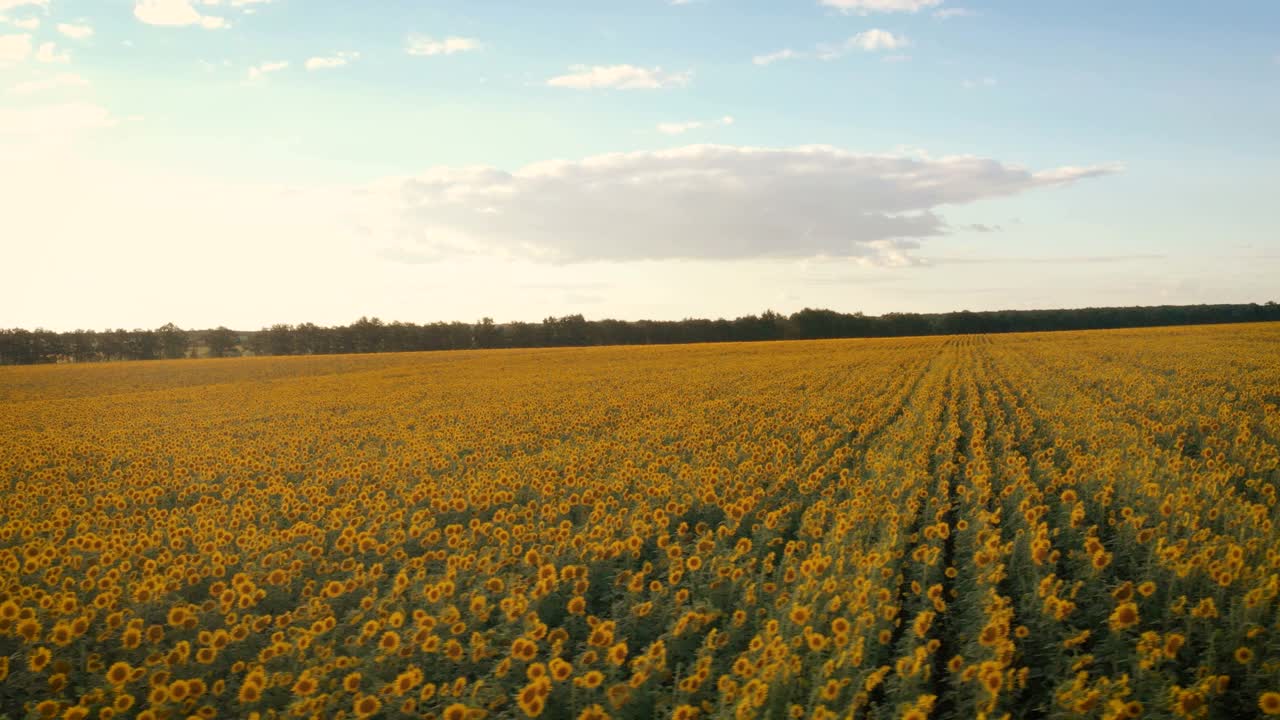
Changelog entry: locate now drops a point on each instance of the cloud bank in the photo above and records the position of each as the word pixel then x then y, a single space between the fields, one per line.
pixel 864 7
pixel 698 202
pixel 620 77
pixel 426 47
pixel 329 62
pixel 175 13
pixel 13 4
pixel 679 128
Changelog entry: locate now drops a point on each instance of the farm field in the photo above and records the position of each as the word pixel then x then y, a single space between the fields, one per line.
pixel 1034 526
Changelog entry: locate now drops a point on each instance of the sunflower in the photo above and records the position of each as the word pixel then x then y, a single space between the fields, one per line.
pixel 591 679
pixel 1269 703
pixel 920 627
pixel 685 712
pixel 593 712
pixel 618 653
pixel 407 681
pixel 38 659
pixel 523 649
pixel 366 706
pixel 1188 701
pixel 61 634
pixel 29 629
pixel 799 614
pixel 178 690
pixel 305 685
pixel 1124 616
pixel 118 674
pixel 993 681
pixel 178 616
pixel 249 693
pixel 830 690
pixel 390 642
pixel 602 635
pixel 531 699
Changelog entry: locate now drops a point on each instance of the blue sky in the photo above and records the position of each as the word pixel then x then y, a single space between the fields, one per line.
pixel 246 163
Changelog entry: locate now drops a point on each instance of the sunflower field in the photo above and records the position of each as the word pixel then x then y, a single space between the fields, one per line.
pixel 1057 525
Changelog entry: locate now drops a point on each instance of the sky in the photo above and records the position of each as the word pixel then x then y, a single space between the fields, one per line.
pixel 250 162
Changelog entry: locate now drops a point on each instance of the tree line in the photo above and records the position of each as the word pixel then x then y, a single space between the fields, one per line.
pixel 369 335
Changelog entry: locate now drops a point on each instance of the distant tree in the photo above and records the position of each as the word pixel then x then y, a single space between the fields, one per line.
pixel 111 344
pixel 15 347
pixel 279 340
pixel 19 346
pixel 368 335
pixel 812 323
pixel 310 339
pixel 46 346
pixel 174 341
pixel 460 336
pixel 142 345
pixel 397 337
pixel 221 341
pixel 520 334
pixel 82 346
pixel 567 330
pixel 486 333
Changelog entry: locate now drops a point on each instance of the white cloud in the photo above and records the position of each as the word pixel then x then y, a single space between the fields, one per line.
pixel 175 13
pixel 948 13
pixel 13 4
pixel 260 71
pixel 54 120
pixel 679 128
pixel 874 40
pixel 425 46
pixel 48 53
pixel 864 7
pixel 622 77
pixel 31 23
pixel 54 82
pixel 75 31
pixel 336 60
pixel 980 82
pixel 14 48
pixel 773 57
pixel 701 201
